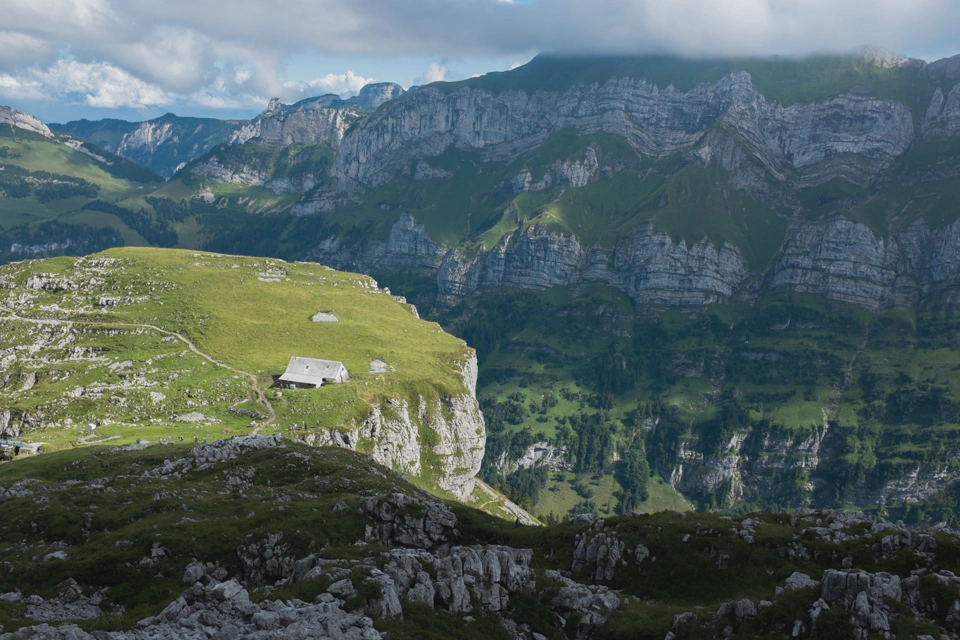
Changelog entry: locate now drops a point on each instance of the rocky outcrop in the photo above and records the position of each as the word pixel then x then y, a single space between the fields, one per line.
pixel 147 138
pixel 392 431
pixel 372 95
pixel 305 123
pixel 598 555
pixel 539 454
pixel 23 121
pixel 264 562
pixel 647 265
pixel 408 521
pixel 69 604
pixel 576 173
pixel 204 456
pixel 943 115
pixel 841 259
pixel 768 468
pixel 224 610
pixel 409 246
pixel 243 175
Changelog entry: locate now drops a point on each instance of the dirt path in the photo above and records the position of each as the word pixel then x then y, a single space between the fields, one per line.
pixel 253 378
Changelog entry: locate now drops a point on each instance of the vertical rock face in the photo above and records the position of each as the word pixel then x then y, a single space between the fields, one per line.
pixel 407 246
pixel 849 135
pixel 410 246
pixel 373 95
pixel 838 258
pixel 392 436
pixel 647 265
pixel 24 121
pixel 943 115
pixel 146 139
pixel 654 269
pixel 751 467
pixel 845 260
pixel 278 127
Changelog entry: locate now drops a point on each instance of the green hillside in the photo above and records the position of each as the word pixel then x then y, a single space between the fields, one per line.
pixel 158 344
pixel 46 187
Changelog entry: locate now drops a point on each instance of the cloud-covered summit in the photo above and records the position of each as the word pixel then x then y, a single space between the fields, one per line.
pixel 219 55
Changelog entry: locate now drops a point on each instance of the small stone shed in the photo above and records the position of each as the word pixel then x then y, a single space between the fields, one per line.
pixel 312 373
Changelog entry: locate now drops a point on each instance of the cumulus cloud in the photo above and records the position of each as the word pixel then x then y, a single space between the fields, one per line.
pixel 345 84
pixel 435 72
pixel 93 84
pixel 145 52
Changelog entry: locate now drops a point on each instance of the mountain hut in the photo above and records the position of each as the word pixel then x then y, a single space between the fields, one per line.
pixel 311 373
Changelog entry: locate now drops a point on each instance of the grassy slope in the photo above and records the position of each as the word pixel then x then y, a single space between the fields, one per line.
pixel 35 153
pixel 231 315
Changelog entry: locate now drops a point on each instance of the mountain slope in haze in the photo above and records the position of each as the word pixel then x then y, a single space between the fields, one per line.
pixel 54 189
pixel 166 144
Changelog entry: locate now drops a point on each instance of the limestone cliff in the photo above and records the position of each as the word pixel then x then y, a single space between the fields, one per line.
pixel 770 469
pixel 441 441
pixel 810 143
pixel 304 123
pixel 24 121
pixel 845 260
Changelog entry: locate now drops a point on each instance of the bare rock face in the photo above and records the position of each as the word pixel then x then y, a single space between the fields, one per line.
pixel 943 115
pixel 797 139
pixel 598 555
pixel 204 456
pixel 304 123
pixel 845 260
pixel 647 265
pixel 372 95
pixel 407 246
pixel 147 138
pixel 24 121
pixel 407 521
pixel 264 562
pixel 489 573
pixel 393 431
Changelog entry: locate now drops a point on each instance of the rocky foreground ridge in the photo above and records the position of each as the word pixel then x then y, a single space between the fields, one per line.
pixel 388 559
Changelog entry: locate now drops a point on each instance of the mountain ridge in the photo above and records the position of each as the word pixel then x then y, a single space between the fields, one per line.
pixel 742 258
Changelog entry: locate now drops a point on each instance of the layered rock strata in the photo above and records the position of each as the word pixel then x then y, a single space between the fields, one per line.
pixel 393 433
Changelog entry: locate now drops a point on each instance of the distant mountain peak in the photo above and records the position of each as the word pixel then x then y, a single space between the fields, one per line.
pixel 9 115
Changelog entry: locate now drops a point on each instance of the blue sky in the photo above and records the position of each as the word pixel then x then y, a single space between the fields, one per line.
pixel 137 59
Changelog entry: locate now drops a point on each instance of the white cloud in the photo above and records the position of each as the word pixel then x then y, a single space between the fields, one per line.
pixel 93 84
pixel 435 72
pixel 344 84
pixel 144 52
pixel 19 49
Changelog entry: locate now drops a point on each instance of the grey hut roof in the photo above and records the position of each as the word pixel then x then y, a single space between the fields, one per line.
pixel 311 370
